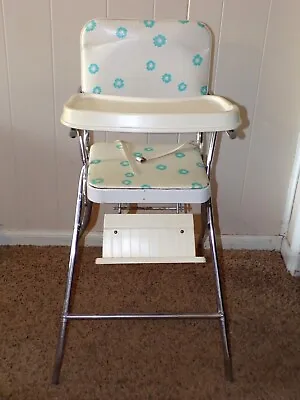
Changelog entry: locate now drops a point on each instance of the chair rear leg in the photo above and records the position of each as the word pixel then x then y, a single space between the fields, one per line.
pixel 220 305
pixel 76 232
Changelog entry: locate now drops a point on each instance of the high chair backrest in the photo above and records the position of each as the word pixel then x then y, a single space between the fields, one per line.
pixel 145 58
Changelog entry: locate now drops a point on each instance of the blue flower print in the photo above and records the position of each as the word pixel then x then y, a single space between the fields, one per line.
pixel 197 185
pixel 126 182
pixel 166 78
pixel 119 83
pixel 124 163
pixel 93 68
pixel 159 40
pixel 161 167
pixel 129 174
pixel 179 155
pixel 182 87
pixel 183 171
pixel 97 181
pixel 150 65
pixel 200 164
pixel 138 154
pixel 95 162
pixel 149 23
pixel 148 148
pixel 121 32
pixel 97 90
pixel 184 21
pixel 119 146
pixel 201 24
pixel 91 26
pixel 197 60
pixel 146 186
pixel 204 90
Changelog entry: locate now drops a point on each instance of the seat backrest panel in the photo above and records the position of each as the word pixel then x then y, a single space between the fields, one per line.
pixel 145 58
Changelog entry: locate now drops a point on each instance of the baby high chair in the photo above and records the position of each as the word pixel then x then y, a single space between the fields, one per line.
pixel 146 77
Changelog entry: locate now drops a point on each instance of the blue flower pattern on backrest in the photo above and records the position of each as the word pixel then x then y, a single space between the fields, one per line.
pixel 150 65
pixel 145 58
pixel 159 41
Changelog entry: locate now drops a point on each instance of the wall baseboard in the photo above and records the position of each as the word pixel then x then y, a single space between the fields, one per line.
pixel 63 238
pixel 291 258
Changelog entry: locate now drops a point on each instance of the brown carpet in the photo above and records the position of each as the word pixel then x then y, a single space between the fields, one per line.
pixel 148 359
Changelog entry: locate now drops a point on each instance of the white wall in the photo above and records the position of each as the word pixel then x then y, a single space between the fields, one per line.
pixel 39 70
pixel 276 125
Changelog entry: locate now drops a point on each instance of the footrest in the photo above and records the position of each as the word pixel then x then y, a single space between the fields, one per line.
pixel 151 260
pixel 148 238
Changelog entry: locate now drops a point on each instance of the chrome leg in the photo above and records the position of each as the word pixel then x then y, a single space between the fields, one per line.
pixel 72 260
pixel 201 240
pixel 213 246
pixel 86 217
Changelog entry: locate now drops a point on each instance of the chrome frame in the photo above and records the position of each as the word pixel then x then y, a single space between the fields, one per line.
pixel 81 222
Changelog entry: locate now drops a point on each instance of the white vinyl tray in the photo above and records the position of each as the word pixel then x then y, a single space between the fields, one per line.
pixel 155 115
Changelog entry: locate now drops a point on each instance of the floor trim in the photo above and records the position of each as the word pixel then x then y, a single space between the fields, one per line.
pixel 291 258
pixel 63 238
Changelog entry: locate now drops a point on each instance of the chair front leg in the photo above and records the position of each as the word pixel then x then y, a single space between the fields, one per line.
pixel 72 261
pixel 220 302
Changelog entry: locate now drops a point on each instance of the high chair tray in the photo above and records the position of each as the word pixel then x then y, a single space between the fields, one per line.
pixel 207 113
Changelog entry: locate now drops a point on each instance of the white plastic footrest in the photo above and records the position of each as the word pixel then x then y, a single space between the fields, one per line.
pixel 148 238
pixel 151 260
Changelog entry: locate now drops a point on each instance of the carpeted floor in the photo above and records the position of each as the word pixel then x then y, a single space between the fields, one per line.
pixel 155 360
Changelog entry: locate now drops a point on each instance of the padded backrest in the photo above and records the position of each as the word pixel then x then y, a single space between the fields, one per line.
pixel 145 58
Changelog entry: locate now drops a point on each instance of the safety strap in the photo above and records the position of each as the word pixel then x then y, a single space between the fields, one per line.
pixel 133 160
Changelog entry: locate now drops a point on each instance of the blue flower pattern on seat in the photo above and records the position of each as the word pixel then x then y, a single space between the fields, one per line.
pixel 149 23
pixel 181 163
pixel 97 90
pixel 97 181
pixel 204 90
pixel 90 26
pixel 166 78
pixel 197 185
pixel 121 32
pixel 150 65
pixel 183 171
pixel 159 40
pixel 197 60
pixel 173 80
pixel 182 87
pixel 119 83
pixel 93 68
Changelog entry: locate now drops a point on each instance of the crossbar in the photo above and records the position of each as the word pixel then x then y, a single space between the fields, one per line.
pixel 147 316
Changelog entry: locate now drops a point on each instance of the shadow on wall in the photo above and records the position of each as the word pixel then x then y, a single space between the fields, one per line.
pixel 4 239
pixel 240 135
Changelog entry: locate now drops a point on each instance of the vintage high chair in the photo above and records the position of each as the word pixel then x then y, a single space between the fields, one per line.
pixel 146 77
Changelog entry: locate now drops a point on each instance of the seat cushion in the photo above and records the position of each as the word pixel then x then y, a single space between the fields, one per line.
pixel 110 169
